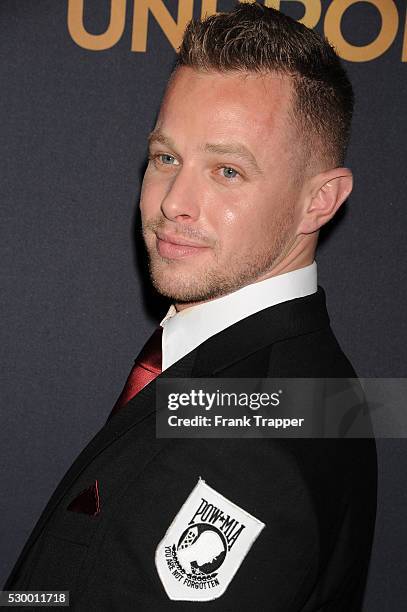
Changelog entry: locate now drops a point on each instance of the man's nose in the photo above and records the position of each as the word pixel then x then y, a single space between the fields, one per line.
pixel 181 201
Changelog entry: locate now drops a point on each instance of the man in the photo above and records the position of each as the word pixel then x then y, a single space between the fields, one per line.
pixel 245 167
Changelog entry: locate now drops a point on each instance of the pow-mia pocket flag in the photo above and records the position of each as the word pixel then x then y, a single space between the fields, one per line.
pixel 204 545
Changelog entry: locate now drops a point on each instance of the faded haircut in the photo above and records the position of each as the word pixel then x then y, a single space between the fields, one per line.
pixel 256 39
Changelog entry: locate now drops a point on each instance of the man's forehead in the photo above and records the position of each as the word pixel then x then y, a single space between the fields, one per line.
pixel 226 113
pixel 252 97
pixel 207 89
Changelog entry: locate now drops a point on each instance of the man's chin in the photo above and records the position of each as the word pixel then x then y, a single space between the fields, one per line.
pixel 176 291
pixel 183 288
pixel 176 282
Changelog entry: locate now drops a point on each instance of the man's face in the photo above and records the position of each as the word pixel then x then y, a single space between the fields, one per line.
pixel 219 196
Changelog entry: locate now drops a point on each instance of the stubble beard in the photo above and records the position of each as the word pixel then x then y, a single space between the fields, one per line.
pixel 222 276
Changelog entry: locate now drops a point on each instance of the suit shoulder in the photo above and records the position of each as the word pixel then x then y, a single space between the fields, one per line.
pixel 313 354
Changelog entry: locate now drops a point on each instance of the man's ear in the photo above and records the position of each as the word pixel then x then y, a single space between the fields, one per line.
pixel 327 191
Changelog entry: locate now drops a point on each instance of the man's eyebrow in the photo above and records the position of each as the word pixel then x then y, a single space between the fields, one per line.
pixel 157 136
pixel 234 148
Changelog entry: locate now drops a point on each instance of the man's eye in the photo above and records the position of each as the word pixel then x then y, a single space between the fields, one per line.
pixel 168 160
pixel 229 173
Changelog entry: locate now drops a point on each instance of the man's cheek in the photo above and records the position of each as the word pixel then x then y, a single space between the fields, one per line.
pixel 152 194
pixel 236 229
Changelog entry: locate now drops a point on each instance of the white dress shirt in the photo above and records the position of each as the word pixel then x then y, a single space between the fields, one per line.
pixel 185 330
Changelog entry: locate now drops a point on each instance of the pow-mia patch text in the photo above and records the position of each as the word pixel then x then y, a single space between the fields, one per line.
pixel 204 546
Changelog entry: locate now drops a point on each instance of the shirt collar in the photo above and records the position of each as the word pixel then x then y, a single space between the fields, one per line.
pixel 185 330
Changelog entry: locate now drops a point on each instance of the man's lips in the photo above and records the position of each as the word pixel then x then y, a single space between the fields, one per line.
pixel 174 247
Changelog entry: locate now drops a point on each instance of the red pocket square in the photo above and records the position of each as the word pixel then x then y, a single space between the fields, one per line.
pixel 87 501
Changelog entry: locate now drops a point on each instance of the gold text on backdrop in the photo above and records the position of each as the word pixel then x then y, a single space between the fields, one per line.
pixel 173 29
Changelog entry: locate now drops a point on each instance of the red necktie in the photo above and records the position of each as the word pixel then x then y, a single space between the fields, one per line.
pixel 146 367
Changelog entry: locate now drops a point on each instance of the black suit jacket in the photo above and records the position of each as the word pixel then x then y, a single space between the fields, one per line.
pixel 317 497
